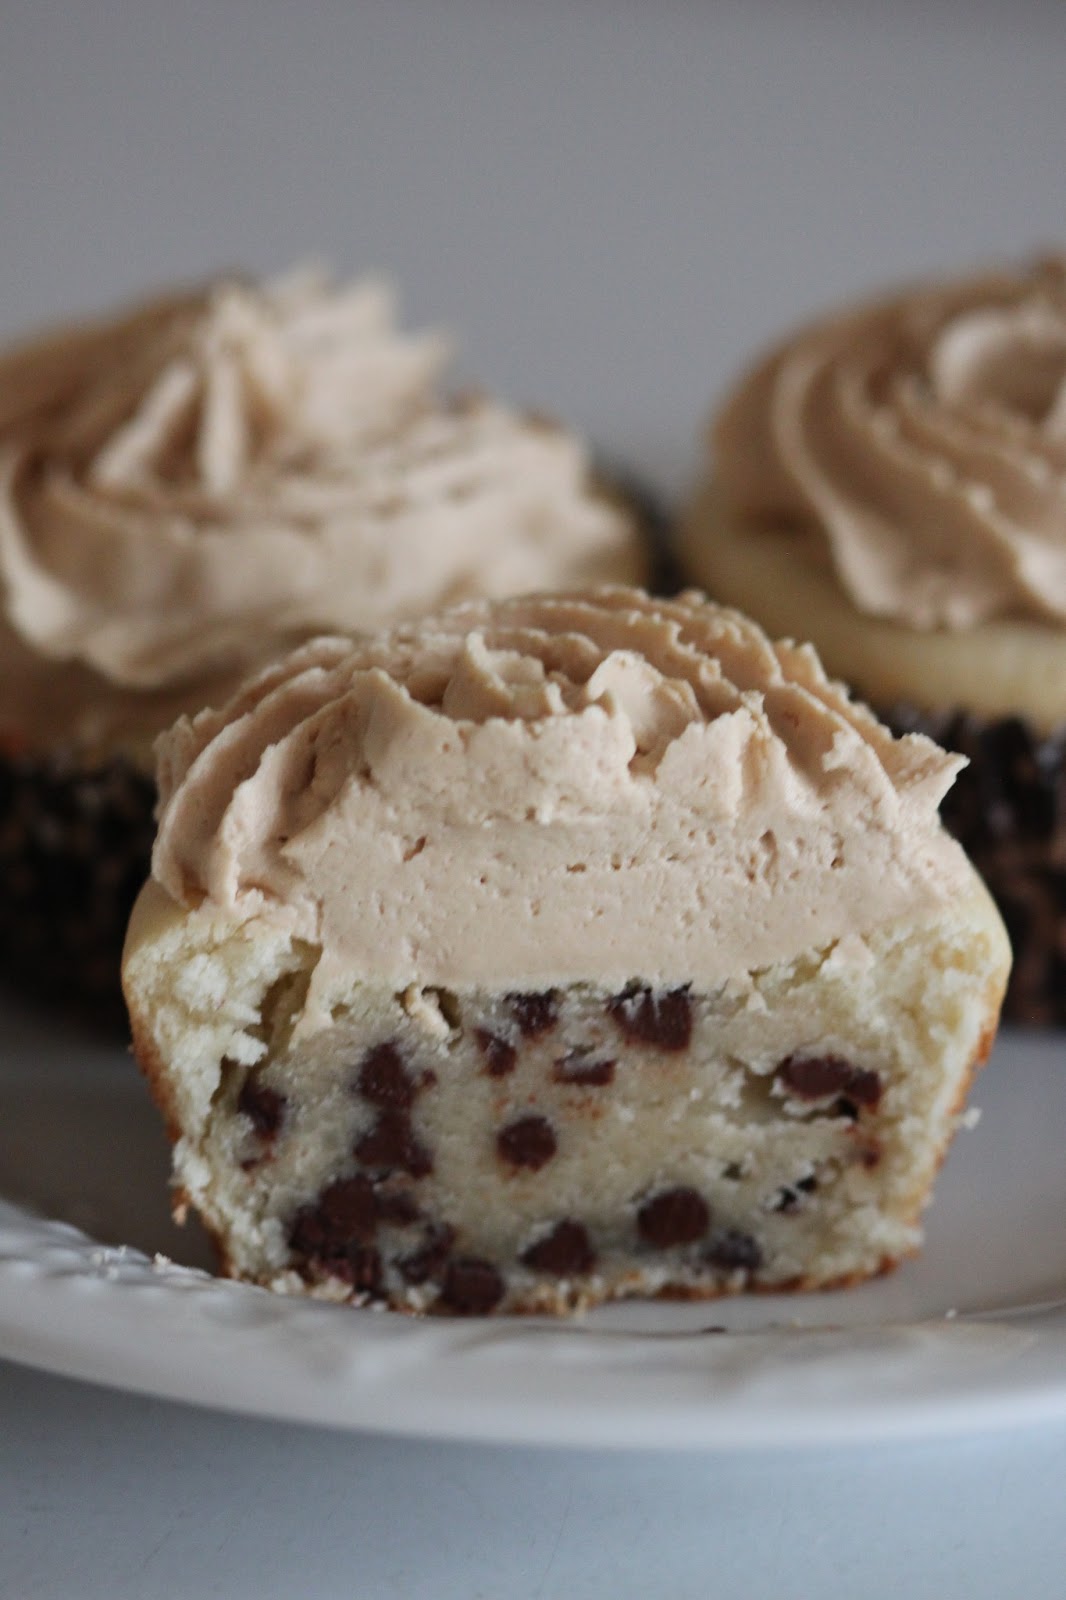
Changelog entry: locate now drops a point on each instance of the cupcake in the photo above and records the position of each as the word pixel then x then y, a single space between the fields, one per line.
pixel 192 487
pixel 891 484
pixel 552 950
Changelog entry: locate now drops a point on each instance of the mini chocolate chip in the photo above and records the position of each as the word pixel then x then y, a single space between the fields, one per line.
pixel 733 1251
pixel 384 1080
pixel 500 1054
pixel 673 1216
pixel 397 1206
pixel 471 1286
pixel 660 1017
pixel 814 1077
pixel 264 1107
pixel 429 1259
pixel 363 1264
pixel 391 1143
pixel 344 1213
pixel 789 1198
pixel 535 1013
pixel 565 1251
pixel 527 1142
pixel 577 1067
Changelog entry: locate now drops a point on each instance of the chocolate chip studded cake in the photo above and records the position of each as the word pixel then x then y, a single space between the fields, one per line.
pixel 891 484
pixel 194 486
pixel 553 950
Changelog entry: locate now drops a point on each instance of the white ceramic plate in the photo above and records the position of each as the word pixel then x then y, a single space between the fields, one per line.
pixel 97 1283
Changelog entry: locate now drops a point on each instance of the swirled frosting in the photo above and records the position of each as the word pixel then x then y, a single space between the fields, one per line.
pixel 919 443
pixel 198 483
pixel 604 786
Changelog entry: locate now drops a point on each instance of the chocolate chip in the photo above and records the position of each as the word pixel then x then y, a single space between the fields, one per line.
pixel 345 1213
pixel 578 1068
pixel 661 1017
pixel 789 1197
pixel 815 1077
pixel 391 1143
pixel 564 1252
pixel 500 1054
pixel 361 1268
pixel 471 1286
pixel 429 1259
pixel 384 1080
pixel 264 1107
pixel 397 1206
pixel 733 1251
pixel 535 1013
pixel 673 1216
pixel 527 1142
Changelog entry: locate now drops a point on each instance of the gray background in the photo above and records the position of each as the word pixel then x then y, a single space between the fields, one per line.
pixel 613 202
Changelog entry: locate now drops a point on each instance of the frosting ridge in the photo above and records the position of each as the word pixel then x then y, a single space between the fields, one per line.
pixel 918 443
pixel 511 792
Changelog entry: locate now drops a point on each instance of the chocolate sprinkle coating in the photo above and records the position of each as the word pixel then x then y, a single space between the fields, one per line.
pixel 1008 811
pixel 75 849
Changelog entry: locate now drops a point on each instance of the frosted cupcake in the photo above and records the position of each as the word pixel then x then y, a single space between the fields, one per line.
pixel 188 489
pixel 891 483
pixel 551 950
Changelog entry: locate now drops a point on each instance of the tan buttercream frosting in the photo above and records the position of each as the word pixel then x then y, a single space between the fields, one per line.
pixel 190 487
pixel 603 786
pixel 918 444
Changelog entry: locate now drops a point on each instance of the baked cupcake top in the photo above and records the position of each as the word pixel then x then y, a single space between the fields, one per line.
pixel 918 443
pixel 197 483
pixel 521 792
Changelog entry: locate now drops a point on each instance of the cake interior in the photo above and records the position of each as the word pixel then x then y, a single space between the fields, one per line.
pixel 549 1149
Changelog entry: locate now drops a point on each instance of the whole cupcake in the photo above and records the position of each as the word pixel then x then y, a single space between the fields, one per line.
pixel 891 483
pixel 188 489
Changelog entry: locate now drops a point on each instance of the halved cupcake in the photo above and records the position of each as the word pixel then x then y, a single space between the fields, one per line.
pixel 552 950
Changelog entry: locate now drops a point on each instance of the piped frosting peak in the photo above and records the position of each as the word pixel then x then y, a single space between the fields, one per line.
pixel 194 485
pixel 919 444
